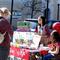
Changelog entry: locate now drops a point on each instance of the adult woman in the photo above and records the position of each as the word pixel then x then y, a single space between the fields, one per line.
pixel 6 32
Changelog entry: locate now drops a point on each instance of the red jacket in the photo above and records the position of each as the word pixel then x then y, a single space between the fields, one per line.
pixel 5 27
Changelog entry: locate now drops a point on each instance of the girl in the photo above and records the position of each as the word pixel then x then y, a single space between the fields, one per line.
pixel 43 30
pixel 53 45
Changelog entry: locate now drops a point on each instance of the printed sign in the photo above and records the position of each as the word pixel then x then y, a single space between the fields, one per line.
pixel 23 26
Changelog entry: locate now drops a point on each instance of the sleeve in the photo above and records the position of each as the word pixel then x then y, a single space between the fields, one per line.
pixel 56 51
pixel 9 29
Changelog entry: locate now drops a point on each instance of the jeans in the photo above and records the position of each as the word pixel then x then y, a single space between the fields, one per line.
pixel 4 52
pixel 47 57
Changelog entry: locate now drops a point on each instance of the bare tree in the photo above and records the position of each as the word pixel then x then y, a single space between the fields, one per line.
pixel 33 8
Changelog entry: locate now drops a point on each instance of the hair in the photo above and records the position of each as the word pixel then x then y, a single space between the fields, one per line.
pixel 4 10
pixel 56 36
pixel 43 20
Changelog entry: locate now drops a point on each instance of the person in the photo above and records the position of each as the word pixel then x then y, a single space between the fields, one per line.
pixel 53 45
pixel 43 30
pixel 6 32
pixel 42 25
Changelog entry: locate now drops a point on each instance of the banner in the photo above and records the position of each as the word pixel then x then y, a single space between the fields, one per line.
pixel 19 53
pixel 12 51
